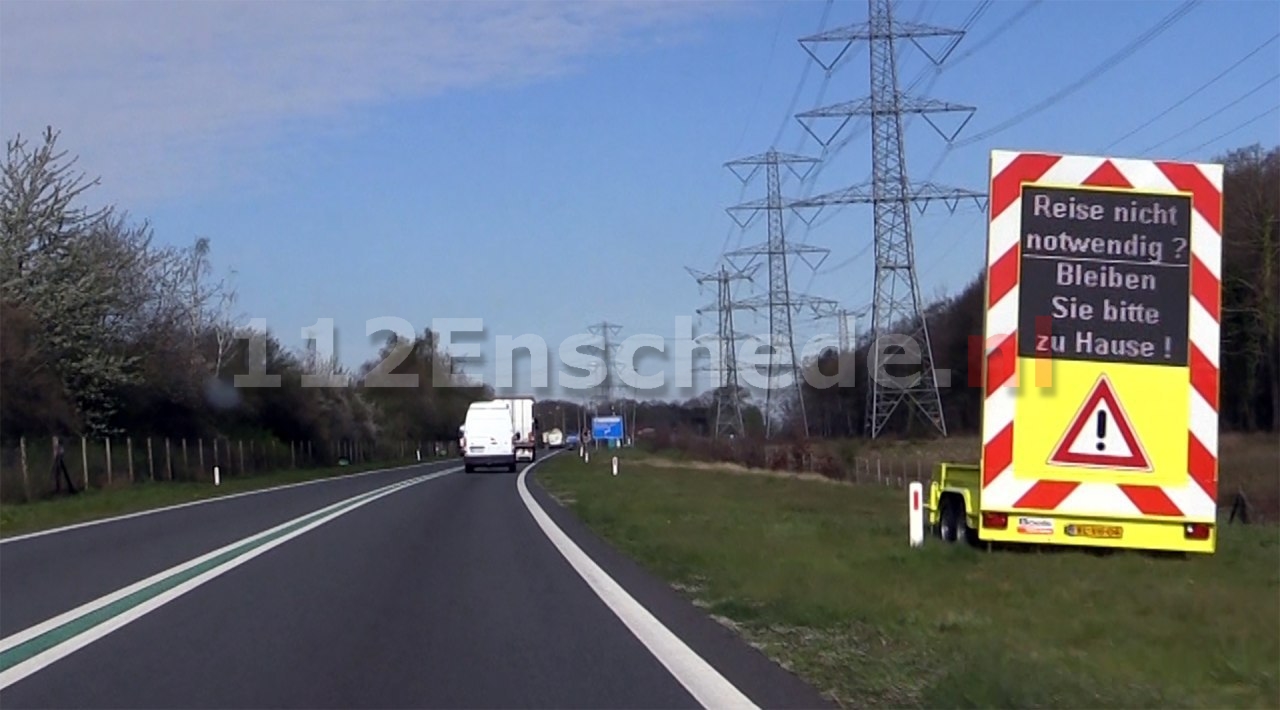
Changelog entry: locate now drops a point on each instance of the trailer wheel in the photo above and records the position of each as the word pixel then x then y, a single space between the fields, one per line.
pixel 966 533
pixel 951 519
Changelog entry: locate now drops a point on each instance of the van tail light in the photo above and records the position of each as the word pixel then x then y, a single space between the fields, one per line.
pixel 1196 531
pixel 995 521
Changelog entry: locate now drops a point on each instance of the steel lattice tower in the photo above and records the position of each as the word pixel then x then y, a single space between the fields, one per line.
pixel 606 391
pixel 728 393
pixel 846 335
pixel 780 300
pixel 896 304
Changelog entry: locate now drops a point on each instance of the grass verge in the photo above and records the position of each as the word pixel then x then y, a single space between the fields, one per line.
pixel 94 504
pixel 820 577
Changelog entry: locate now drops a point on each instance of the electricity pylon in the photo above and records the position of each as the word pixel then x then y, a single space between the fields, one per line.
pixel 728 394
pixel 781 302
pixel 896 303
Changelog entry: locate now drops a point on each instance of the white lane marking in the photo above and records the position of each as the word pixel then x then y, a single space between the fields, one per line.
pixel 700 678
pixel 202 501
pixel 43 659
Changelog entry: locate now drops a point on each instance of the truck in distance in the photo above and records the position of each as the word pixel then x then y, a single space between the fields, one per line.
pixel 525 427
pixel 555 439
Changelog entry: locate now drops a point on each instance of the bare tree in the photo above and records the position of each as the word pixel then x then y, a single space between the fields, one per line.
pixel 1251 283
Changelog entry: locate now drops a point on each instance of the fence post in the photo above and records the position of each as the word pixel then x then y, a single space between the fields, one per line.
pixel 186 464
pixel 107 441
pixel 241 447
pixel 151 461
pixel 128 447
pixel 168 459
pixel 84 460
pixel 293 455
pixel 200 453
pixel 26 482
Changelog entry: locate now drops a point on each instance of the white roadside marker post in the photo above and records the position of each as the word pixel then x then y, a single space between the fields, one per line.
pixel 915 513
pixel 615 465
pixel 217 479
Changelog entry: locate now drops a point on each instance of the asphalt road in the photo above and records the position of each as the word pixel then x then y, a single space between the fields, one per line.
pixel 418 587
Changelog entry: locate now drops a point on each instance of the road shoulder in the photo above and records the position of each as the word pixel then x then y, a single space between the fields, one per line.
pixel 750 670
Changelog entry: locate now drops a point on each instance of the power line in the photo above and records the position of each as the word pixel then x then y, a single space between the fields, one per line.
pixel 1090 76
pixel 1240 127
pixel 795 99
pixel 764 77
pixel 932 73
pixel 804 78
pixel 995 34
pixel 1213 115
pixel 1194 93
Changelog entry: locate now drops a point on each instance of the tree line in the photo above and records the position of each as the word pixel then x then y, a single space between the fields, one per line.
pixel 105 332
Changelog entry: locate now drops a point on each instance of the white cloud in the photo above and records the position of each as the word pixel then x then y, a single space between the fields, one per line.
pixel 168 98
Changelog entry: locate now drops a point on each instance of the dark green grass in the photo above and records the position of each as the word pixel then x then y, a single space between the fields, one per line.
pixel 820 576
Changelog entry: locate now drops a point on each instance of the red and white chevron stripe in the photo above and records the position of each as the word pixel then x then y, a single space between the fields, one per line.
pixel 1197 498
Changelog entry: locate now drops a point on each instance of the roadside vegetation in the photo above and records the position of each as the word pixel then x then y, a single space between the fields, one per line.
pixel 108 335
pixel 98 503
pixel 818 574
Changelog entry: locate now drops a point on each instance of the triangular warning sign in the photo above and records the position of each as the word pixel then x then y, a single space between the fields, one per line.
pixel 1101 435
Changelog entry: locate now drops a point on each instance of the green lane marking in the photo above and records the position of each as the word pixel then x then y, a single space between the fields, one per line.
pixel 51 638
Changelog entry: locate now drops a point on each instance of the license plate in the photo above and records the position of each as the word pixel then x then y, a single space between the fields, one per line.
pixel 1108 532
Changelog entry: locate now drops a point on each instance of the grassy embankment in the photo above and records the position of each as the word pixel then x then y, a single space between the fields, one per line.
pixel 819 575
pixel 96 503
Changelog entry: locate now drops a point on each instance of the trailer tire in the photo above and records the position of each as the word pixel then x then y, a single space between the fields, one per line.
pixel 968 534
pixel 951 519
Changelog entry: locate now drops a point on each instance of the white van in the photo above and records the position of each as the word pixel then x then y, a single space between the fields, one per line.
pixel 488 436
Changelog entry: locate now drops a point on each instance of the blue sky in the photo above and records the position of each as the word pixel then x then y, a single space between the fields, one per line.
pixel 546 166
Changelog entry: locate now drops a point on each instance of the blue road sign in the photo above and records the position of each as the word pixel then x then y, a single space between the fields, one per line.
pixel 608 428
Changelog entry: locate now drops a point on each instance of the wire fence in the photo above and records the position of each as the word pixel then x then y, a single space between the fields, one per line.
pixel 1247 498
pixel 28 466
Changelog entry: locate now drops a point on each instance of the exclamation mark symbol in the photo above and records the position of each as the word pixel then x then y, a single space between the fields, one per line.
pixel 1168 348
pixel 1102 430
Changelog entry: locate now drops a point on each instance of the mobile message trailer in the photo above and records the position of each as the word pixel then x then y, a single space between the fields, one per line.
pixel 1099 358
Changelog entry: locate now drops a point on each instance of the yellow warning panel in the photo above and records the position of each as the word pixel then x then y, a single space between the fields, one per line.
pixel 1104 422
